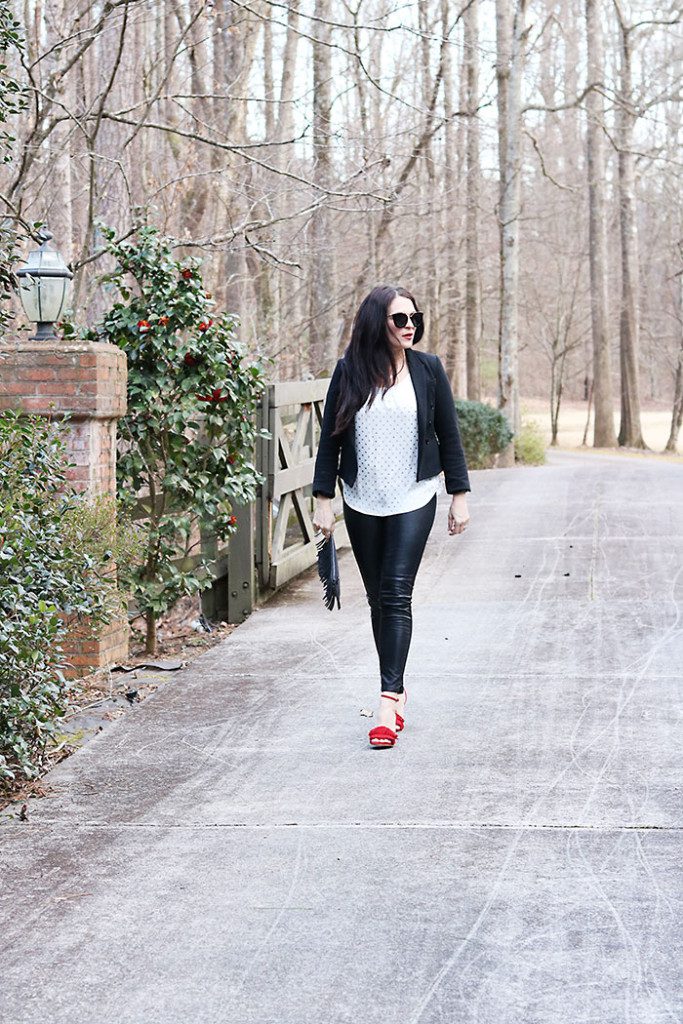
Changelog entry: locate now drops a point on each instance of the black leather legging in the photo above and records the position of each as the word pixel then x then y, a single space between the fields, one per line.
pixel 388 550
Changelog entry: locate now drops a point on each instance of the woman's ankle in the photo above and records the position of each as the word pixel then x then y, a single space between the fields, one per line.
pixel 389 704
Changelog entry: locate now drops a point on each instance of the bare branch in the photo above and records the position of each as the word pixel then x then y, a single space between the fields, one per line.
pixel 544 170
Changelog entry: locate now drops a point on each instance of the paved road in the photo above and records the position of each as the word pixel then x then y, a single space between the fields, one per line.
pixel 231 852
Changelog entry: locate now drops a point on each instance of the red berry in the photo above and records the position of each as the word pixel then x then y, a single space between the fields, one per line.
pixel 233 520
pixel 143 326
pixel 203 326
pixel 189 359
pixel 187 274
pixel 163 320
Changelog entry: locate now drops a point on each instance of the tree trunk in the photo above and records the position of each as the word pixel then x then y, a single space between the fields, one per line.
pixel 430 273
pixel 268 88
pixel 604 435
pixel 589 409
pixel 677 412
pixel 472 316
pixel 322 335
pixel 234 52
pixel 285 130
pixel 630 434
pixel 150 632
pixel 508 372
pixel 455 362
pixel 503 46
pixel 59 201
pixel 554 410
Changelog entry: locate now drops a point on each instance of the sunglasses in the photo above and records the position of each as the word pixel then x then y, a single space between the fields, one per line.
pixel 401 319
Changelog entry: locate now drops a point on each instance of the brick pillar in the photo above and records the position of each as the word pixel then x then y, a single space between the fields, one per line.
pixel 88 381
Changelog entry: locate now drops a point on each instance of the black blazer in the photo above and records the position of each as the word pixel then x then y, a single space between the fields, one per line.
pixel 439 443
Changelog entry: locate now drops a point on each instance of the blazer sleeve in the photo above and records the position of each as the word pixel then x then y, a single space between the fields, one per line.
pixel 327 459
pixel 448 434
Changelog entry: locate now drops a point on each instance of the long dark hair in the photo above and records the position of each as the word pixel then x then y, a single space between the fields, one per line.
pixel 369 360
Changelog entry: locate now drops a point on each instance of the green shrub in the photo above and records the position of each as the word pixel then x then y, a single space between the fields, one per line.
pixel 48 570
pixel 100 527
pixel 530 444
pixel 484 431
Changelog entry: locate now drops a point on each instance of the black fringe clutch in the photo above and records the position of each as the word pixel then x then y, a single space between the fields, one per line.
pixel 328 570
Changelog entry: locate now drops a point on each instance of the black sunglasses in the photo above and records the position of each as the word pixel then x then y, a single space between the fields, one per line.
pixel 401 319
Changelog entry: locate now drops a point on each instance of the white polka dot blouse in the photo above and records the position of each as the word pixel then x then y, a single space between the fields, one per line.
pixel 386 450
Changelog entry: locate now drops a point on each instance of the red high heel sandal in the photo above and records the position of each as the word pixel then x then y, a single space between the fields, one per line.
pixel 400 722
pixel 382 735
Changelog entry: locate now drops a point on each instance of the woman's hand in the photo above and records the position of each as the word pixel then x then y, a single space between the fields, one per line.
pixel 458 516
pixel 323 517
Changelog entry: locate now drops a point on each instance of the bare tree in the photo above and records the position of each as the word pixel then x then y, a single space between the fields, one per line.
pixel 455 354
pixel 559 334
pixel 510 207
pixel 322 338
pixel 472 278
pixel 630 434
pixel 604 434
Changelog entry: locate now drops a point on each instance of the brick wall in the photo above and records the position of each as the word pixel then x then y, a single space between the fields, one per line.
pixel 86 649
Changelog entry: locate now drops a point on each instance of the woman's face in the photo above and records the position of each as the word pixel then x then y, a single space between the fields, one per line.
pixel 400 337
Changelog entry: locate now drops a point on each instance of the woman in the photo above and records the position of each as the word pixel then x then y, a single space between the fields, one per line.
pixel 389 429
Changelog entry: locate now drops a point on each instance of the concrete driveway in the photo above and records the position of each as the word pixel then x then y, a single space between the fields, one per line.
pixel 232 851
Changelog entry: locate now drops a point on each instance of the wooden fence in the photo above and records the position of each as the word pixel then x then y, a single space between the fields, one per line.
pixel 274 541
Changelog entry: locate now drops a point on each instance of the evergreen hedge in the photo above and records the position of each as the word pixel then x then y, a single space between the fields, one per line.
pixel 484 431
pixel 48 571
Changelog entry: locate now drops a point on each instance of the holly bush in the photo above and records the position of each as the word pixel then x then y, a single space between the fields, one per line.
pixel 188 437
pixel 49 573
pixel 484 431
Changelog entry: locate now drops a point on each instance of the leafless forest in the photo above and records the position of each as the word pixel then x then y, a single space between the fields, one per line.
pixel 517 164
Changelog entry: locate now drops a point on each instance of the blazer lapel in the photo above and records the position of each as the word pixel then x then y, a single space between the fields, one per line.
pixel 419 375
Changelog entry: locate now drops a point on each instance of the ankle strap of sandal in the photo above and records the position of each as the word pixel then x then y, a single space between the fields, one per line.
pixel 388 697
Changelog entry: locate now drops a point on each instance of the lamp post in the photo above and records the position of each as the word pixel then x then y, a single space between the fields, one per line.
pixel 43 287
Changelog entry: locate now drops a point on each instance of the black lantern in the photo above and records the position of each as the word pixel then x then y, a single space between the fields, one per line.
pixel 43 287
